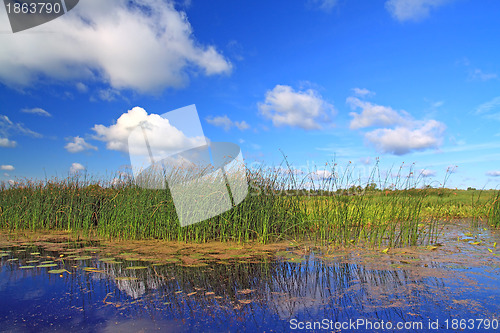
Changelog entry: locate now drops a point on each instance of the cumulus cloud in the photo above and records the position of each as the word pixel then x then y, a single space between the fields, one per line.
pixel 37 111
pixel 427 173
pixel 76 167
pixel 412 10
pixel 78 144
pixel 402 140
pixel 227 123
pixel 163 137
pixel 144 45
pixel 7 167
pixel 495 173
pixel 6 143
pixel 374 115
pixel 287 107
pixel 407 135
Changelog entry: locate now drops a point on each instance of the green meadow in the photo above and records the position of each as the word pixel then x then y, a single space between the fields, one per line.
pixel 280 205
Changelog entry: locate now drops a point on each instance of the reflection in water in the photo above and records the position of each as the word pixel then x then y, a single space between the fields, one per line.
pixel 252 295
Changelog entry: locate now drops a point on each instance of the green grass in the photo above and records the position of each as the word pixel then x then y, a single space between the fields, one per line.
pixel 494 211
pixel 339 210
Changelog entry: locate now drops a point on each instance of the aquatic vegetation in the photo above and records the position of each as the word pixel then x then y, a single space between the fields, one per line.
pixel 494 212
pixel 282 280
pixel 281 204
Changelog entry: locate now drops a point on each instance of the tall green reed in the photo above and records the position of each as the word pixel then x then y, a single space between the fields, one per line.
pixel 330 205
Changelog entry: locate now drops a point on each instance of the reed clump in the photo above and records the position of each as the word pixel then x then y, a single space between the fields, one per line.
pixel 494 211
pixel 281 204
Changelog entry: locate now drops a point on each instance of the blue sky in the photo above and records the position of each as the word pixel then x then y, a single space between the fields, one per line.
pixel 413 81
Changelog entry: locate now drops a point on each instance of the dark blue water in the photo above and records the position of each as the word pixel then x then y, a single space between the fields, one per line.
pixel 423 287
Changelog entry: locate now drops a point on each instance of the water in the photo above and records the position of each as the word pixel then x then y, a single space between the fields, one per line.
pixel 272 291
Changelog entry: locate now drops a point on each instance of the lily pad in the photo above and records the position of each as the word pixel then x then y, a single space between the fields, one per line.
pixel 136 267
pixel 126 278
pixel 3 255
pixel 171 260
pixel 107 259
pixel 57 271
pixel 32 261
pixel 35 253
pixel 83 258
pixel 46 265
pixel 295 259
pixel 26 267
pixel 89 269
pixel 47 262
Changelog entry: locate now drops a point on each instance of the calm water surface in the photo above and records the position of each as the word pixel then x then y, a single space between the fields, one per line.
pixel 271 292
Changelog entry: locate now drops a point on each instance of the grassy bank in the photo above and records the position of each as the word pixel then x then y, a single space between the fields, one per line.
pixel 330 210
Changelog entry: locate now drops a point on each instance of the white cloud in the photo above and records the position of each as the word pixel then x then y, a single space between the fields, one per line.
pixel 374 115
pixel 407 136
pixel 478 74
pixel 226 123
pixel 241 125
pixel 8 127
pixel 78 144
pixel 287 107
pixel 427 173
pixel 363 92
pixel 7 167
pixel 108 95
pixel 324 5
pixel 145 45
pixel 76 167
pixel 495 173
pixel 490 109
pixel 81 87
pixel 38 111
pixel 437 104
pixel 412 10
pixel 6 143
pixel 402 140
pixel 162 136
